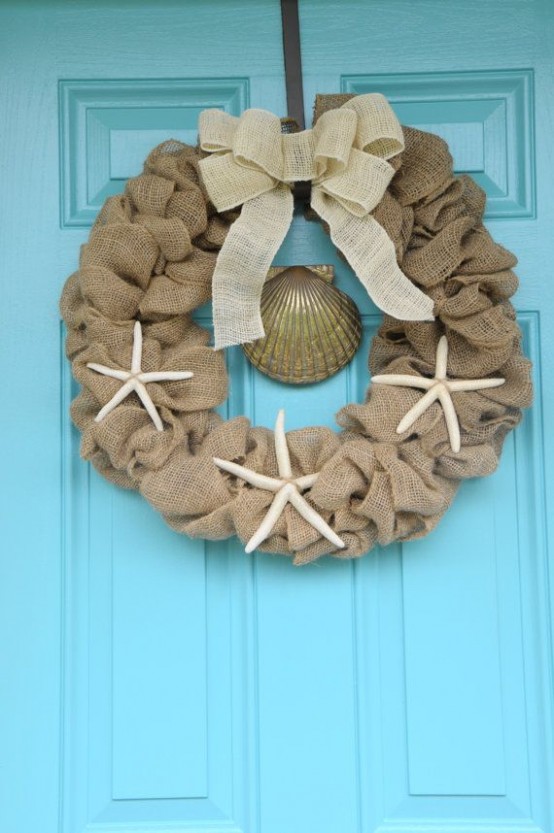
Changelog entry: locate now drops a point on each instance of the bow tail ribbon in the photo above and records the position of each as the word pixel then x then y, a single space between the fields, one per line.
pixel 250 246
pixel 254 239
pixel 371 254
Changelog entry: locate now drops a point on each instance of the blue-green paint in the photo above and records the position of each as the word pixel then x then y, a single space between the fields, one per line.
pixel 151 683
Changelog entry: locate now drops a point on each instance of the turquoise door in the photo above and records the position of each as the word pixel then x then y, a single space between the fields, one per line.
pixel 152 683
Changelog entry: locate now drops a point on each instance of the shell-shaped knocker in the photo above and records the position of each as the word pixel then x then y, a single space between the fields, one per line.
pixel 312 328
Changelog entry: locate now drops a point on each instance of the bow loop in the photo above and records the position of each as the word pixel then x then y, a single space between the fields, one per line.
pixel 257 142
pixel 251 163
pixel 378 130
pixel 229 184
pixel 359 188
pixel 335 134
pixel 215 130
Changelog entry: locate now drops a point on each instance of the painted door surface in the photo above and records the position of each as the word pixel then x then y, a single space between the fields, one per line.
pixel 152 683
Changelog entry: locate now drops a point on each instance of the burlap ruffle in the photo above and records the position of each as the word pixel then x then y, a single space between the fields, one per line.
pixel 151 256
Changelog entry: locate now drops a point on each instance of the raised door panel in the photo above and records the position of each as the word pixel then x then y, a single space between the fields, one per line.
pixel 156 659
pixel 463 717
pixel 132 672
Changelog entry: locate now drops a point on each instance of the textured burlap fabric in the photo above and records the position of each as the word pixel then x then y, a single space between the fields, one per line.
pixel 151 256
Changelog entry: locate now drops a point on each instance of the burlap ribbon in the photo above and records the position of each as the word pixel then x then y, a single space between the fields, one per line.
pixel 251 163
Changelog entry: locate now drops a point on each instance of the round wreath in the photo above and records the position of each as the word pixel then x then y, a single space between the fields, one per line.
pixel 444 393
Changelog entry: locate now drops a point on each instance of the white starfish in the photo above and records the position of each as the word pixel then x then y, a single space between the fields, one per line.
pixel 288 489
pixel 437 388
pixel 135 380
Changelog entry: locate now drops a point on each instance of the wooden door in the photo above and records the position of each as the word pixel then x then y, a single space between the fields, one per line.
pixel 153 683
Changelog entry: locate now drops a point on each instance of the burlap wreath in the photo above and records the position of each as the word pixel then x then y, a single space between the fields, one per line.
pixel 151 256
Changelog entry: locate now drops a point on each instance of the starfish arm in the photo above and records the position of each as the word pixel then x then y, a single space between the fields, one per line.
pixel 457 385
pixel 306 481
pixel 314 519
pixel 269 484
pixel 165 375
pixel 273 514
pixel 137 348
pixel 281 448
pixel 144 397
pixel 121 394
pixel 418 409
pixel 451 419
pixel 403 380
pixel 122 375
pixel 442 358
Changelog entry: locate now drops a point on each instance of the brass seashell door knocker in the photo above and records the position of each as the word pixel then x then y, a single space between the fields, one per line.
pixel 312 328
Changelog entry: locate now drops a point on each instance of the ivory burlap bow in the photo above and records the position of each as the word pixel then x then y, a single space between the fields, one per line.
pixel 251 163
